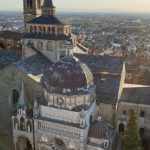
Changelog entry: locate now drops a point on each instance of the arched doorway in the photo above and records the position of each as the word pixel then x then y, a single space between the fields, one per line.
pixel 121 127
pixel 23 143
pixel 58 144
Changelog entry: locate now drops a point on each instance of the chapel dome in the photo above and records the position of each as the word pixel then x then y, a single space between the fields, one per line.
pixel 69 76
pixel 99 130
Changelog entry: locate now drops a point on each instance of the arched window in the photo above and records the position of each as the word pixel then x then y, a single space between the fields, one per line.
pixel 31 29
pixel 29 126
pixel 40 45
pixel 124 112
pixel 49 30
pixel 16 123
pixel 29 4
pixel 15 96
pixel 22 124
pixel 142 114
pixel 142 131
pixel 61 30
pixel 40 29
pixel 39 4
pixel 62 45
pixel 35 29
pixel 53 30
pixel 44 30
pixel 58 30
pixel 30 43
pixel 49 46
pixel 121 127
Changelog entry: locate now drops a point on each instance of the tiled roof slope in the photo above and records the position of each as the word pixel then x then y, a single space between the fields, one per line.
pixel 47 20
pixel 34 65
pixel 44 36
pixel 140 95
pixel 9 57
pixel 107 73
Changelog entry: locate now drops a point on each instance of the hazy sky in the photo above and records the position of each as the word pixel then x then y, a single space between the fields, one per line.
pixel 125 5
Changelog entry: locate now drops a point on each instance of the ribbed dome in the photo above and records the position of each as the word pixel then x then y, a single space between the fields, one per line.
pixel 99 130
pixel 69 76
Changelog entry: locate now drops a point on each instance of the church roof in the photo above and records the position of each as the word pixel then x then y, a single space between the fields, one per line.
pixel 139 95
pixel 44 36
pixel 48 3
pixel 107 72
pixel 34 66
pixel 8 57
pixel 47 20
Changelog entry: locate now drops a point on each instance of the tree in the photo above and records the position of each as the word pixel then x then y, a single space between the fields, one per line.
pixel 131 139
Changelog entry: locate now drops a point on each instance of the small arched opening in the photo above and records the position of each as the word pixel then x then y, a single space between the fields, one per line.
pixel 142 114
pixel 44 30
pixel 49 30
pixel 91 119
pixel 49 46
pixel 40 29
pixel 31 29
pixel 22 124
pixel 40 45
pixel 30 4
pixel 53 30
pixel 124 112
pixel 29 126
pixel 16 124
pixel 142 132
pixel 15 96
pixel 58 30
pixel 35 29
pixel 121 127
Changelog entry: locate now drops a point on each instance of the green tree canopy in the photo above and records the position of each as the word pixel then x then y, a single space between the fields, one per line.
pixel 131 139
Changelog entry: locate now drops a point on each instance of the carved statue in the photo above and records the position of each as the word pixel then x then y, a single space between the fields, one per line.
pixel 16 126
pixel 83 119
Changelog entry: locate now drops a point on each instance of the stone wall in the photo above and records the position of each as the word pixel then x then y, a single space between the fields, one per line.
pixel 11 78
pixel 107 112
pixel 143 122
pixel 53 50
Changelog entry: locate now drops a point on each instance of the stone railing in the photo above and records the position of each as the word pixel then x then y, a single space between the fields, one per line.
pixel 61 132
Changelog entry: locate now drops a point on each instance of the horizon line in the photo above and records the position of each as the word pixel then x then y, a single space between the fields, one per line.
pixel 78 10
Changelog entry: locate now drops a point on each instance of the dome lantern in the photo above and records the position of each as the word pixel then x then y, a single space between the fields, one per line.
pixel 48 9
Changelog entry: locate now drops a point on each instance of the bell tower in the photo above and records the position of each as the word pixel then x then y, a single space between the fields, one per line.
pixel 32 9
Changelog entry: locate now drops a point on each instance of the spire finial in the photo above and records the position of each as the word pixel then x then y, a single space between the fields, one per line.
pixel 22 96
